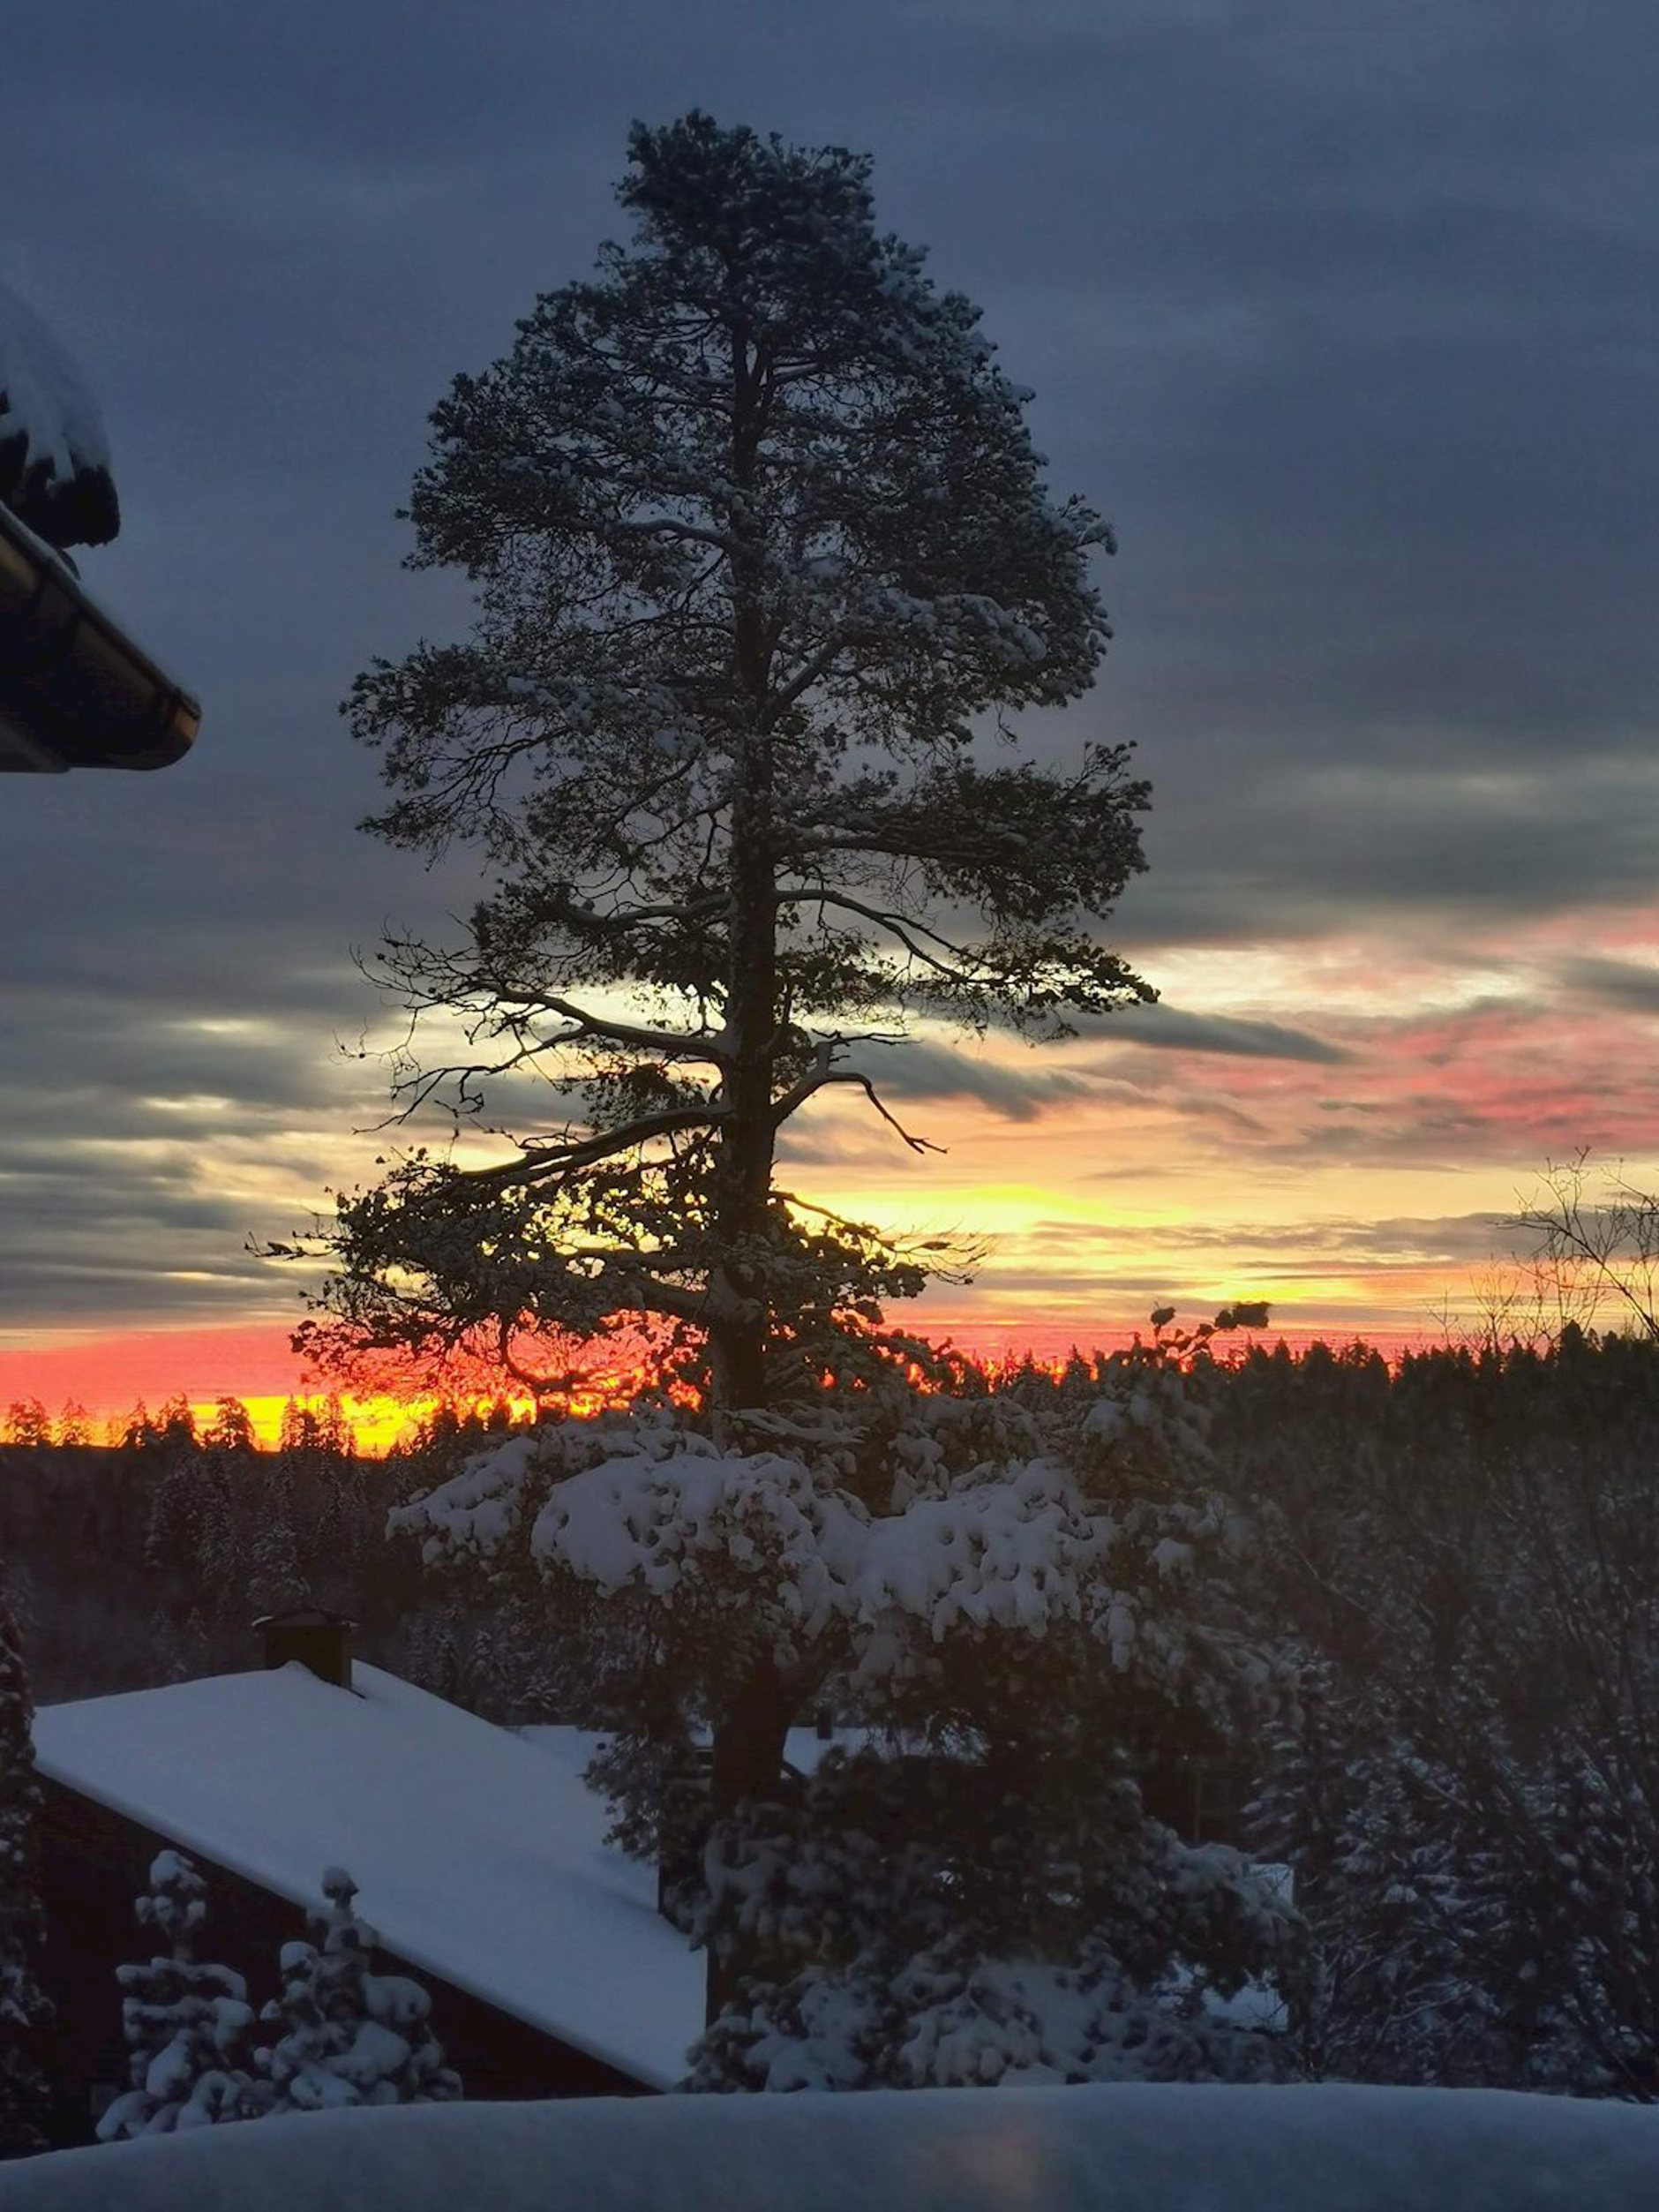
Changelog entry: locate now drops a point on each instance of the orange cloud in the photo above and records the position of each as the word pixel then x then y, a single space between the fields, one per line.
pixel 110 1373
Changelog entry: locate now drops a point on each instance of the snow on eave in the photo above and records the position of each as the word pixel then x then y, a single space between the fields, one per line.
pixel 479 1858
pixel 54 453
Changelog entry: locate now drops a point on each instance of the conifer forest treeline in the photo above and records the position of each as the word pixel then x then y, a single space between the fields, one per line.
pixel 1432 1586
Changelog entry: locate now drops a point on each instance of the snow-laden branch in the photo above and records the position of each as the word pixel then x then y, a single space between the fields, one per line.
pixel 668 1512
pixel 583 915
pixel 672 526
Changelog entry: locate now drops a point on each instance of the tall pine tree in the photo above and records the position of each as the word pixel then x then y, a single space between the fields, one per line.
pixel 761 544
pixel 764 557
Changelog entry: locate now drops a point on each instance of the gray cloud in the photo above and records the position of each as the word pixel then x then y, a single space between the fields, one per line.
pixel 1403 1240
pixel 1072 1265
pixel 1173 1030
pixel 1337 845
pixel 1349 320
pixel 1621 984
pixel 92 1236
pixel 923 1069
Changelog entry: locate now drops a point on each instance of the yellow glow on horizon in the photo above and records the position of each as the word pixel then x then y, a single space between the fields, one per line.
pixel 377 1422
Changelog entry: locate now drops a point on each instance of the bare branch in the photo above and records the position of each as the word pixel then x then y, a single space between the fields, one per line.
pixel 822 1077
pixel 952 960
pixel 668 1044
pixel 542 1163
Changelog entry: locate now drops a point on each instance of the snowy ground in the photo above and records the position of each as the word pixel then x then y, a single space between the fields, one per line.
pixel 1130 2149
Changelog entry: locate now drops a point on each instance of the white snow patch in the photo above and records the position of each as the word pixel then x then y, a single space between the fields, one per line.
pixel 43 395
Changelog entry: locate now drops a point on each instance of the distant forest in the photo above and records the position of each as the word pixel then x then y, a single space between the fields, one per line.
pixel 148 1561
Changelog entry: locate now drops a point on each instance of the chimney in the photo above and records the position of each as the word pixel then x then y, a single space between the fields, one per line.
pixel 316 1637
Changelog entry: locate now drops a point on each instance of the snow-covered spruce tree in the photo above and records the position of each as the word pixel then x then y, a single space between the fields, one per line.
pixel 23 2009
pixel 1023 1604
pixel 1466 1552
pixel 1386 1859
pixel 186 2022
pixel 350 2035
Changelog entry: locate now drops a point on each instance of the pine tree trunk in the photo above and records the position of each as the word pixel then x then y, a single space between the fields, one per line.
pixel 743 1179
pixel 749 1737
pixel 749 1742
pixel 744 1169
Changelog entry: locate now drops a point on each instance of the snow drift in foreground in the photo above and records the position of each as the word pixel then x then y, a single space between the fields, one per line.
pixel 1141 2149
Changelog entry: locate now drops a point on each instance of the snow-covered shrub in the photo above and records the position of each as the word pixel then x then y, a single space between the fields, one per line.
pixel 186 2022
pixel 350 2035
pixel 959 2018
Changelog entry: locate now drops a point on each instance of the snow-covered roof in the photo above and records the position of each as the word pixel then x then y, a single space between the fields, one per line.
pixel 54 455
pixel 480 1857
pixel 1163 2147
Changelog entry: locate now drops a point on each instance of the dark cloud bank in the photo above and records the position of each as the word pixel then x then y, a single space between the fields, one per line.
pixel 1349 319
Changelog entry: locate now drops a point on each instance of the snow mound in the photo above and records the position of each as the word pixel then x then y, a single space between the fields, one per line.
pixel 1161 2149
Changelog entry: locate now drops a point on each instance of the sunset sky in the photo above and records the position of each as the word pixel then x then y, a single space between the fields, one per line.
pixel 1347 318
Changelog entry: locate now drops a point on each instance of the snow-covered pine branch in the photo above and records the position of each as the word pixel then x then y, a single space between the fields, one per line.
pixel 1018 1608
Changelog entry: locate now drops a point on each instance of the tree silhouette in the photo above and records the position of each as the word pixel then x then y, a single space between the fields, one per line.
pixel 759 538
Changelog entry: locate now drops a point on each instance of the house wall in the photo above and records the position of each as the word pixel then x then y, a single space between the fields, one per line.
pixel 94 1863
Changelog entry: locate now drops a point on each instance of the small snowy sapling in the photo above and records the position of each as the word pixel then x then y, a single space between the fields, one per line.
pixel 185 2023
pixel 351 2035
